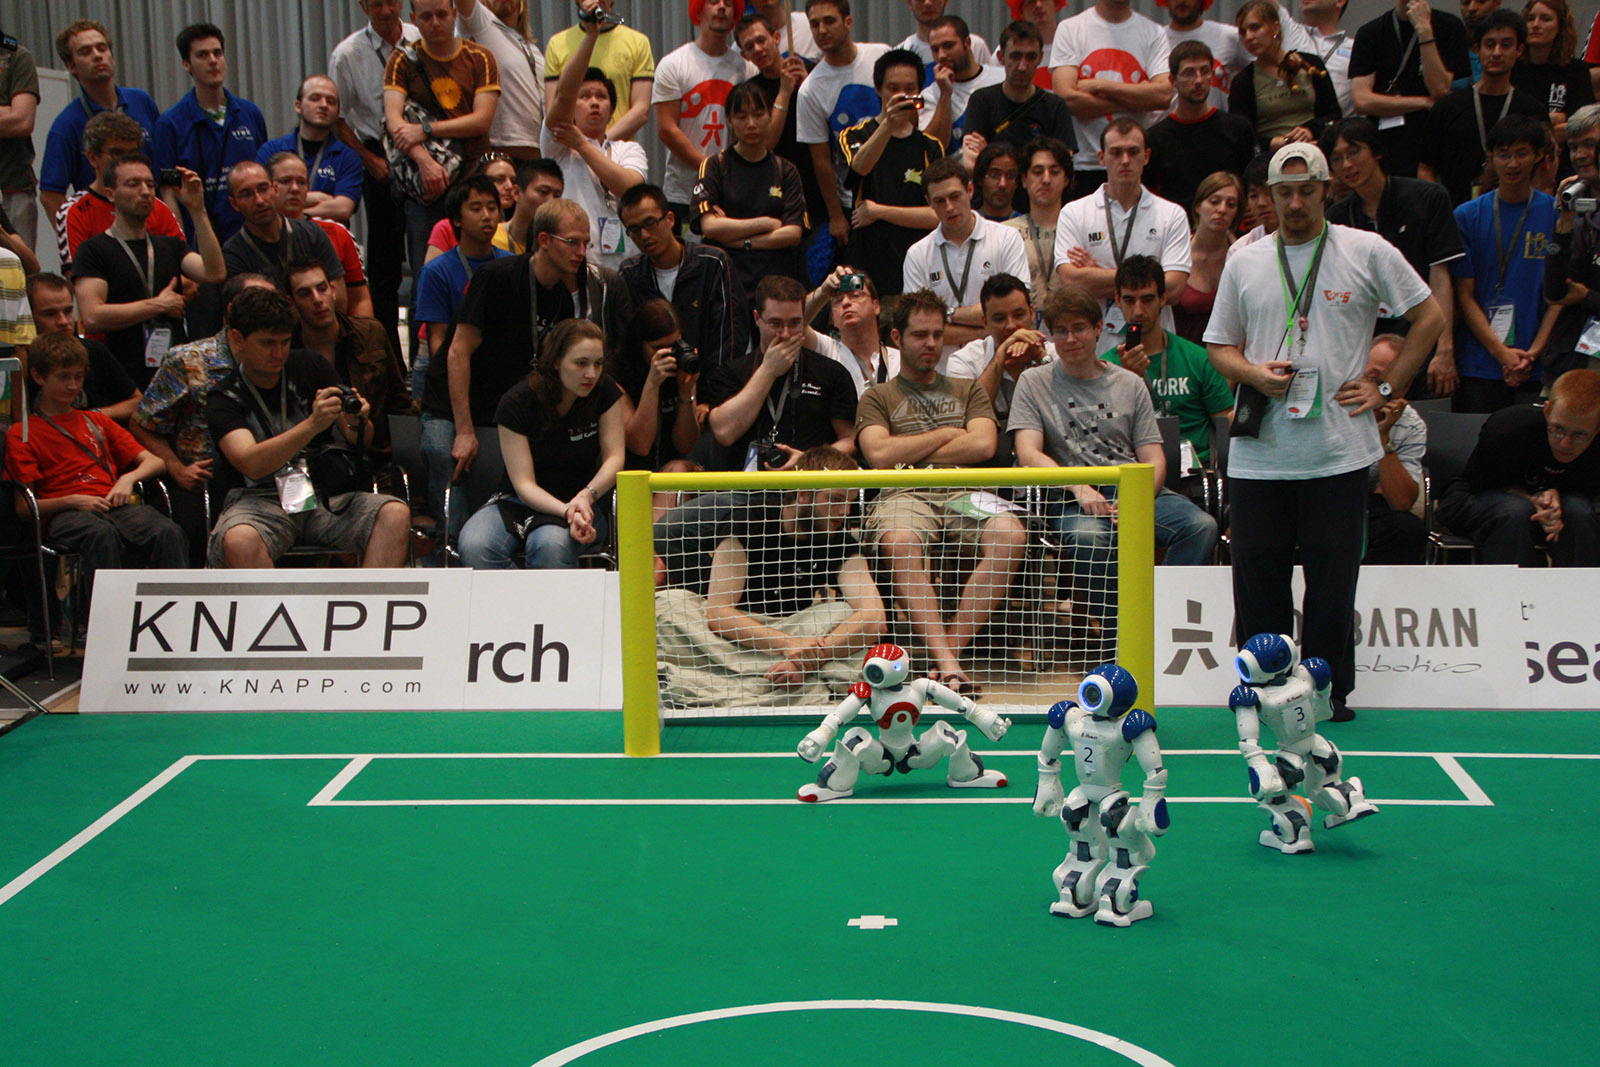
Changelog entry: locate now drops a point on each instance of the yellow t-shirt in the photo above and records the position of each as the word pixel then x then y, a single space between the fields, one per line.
pixel 623 53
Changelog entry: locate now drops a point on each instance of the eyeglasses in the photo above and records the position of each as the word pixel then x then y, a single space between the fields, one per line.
pixel 1077 329
pixel 492 157
pixel 580 243
pixel 1561 433
pixel 1519 155
pixel 647 224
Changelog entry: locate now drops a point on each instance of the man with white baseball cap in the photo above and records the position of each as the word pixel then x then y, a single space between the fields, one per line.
pixel 1291 327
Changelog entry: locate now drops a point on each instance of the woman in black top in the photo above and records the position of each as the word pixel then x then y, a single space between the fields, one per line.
pixel 1287 96
pixel 1547 70
pixel 561 436
pixel 660 379
pixel 749 201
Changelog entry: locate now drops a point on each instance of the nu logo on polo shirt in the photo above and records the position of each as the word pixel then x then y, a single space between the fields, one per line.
pixel 1096 235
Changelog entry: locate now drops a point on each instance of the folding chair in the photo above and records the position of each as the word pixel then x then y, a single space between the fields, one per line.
pixel 1451 438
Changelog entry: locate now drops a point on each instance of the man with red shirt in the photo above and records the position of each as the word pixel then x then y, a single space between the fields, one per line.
pixel 109 135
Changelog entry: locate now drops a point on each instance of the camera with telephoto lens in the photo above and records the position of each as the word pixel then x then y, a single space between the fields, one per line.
pixel 1578 198
pixel 768 454
pixel 688 359
pixel 349 401
pixel 598 15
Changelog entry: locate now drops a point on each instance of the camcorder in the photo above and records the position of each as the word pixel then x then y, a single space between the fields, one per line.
pixel 599 16
pixel 1578 198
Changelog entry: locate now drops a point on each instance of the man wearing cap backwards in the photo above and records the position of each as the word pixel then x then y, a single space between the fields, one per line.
pixel 1293 319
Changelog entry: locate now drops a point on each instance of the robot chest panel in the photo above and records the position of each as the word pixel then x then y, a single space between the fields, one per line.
pixel 1098 748
pixel 1290 711
pixel 898 716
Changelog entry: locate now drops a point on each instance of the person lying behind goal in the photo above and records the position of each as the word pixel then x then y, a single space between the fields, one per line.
pixel 789 609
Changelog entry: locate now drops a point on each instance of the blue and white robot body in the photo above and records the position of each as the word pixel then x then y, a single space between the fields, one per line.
pixel 1289 710
pixel 1099 752
pixel 1108 691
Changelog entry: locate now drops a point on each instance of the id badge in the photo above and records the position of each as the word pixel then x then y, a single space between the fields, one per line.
pixel 1502 321
pixel 752 458
pixel 610 235
pixel 1114 320
pixel 295 493
pixel 1187 463
pixel 1589 340
pixel 1305 396
pixel 156 342
pixel 1391 122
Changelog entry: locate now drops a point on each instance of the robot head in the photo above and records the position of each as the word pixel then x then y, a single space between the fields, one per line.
pixel 886 666
pixel 1108 691
pixel 1266 658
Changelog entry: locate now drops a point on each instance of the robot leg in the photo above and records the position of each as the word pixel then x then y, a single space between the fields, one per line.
pixel 1128 855
pixel 1291 824
pixel 856 751
pixel 1086 853
pixel 1342 798
pixel 966 770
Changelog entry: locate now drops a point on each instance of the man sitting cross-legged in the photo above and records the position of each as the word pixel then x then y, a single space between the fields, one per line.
pixel 790 607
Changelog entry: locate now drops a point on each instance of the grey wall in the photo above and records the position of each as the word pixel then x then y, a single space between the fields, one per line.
pixel 273 44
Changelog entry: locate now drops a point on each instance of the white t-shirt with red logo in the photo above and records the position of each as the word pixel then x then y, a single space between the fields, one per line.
pixel 1228 56
pixel 700 83
pixel 1132 52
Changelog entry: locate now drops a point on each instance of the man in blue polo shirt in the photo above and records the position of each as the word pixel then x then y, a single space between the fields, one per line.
pixel 85 50
pixel 333 167
pixel 210 129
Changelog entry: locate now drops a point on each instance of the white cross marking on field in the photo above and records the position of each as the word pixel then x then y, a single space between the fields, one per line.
pixel 873 922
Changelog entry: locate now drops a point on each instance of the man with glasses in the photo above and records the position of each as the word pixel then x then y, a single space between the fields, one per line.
pixel 1532 480
pixel 1572 272
pixel 1502 322
pixel 697 279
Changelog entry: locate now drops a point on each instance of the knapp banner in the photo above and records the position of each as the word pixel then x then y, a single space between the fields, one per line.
pixel 1426 637
pixel 419 639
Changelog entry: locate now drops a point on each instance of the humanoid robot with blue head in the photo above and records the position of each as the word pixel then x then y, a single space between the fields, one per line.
pixel 1291 697
pixel 1108 838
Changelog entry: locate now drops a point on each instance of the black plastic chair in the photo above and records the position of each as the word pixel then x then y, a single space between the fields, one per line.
pixel 1452 437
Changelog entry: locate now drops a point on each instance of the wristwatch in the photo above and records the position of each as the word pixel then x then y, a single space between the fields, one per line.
pixel 427 126
pixel 1385 390
pixel 1390 448
pixel 749 245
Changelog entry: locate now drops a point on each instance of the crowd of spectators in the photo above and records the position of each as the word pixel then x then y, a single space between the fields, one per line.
pixel 933 253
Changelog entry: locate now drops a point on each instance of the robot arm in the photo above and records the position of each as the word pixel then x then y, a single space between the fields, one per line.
pixel 1264 777
pixel 1048 796
pixel 993 726
pixel 1320 673
pixel 1152 818
pixel 813 743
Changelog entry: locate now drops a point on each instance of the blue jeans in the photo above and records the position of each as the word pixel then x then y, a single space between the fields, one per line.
pixel 1502 525
pixel 1089 545
pixel 486 544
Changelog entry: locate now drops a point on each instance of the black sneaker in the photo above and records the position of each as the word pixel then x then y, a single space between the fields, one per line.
pixel 1342 712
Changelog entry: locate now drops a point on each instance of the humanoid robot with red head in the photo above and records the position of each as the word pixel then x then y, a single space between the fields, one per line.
pixel 894 699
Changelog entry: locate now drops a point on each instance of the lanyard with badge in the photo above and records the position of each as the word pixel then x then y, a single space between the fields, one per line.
pixel 1113 317
pixel 300 149
pixel 101 454
pixel 762 445
pixel 1304 398
pixel 1389 122
pixel 295 491
pixel 959 292
pixel 1502 316
pixel 157 339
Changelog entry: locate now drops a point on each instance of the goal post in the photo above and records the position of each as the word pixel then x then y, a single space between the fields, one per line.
pixel 1133 559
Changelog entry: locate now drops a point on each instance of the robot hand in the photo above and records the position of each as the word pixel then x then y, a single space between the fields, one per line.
pixel 1147 822
pixel 1265 779
pixel 812 744
pixel 993 726
pixel 1048 799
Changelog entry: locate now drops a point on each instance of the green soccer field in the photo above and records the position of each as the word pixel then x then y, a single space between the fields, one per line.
pixel 504 889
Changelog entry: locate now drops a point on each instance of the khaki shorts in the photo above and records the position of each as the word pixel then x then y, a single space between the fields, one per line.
pixel 922 513
pixel 347 531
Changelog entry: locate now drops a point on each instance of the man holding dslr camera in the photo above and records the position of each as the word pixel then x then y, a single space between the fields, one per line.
pixel 275 421
pixel 782 399
pixel 1572 273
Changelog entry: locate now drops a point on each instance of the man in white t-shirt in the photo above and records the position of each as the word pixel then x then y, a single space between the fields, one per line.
pixel 1109 62
pixel 596 170
pixel 928 13
pixel 1010 345
pixel 853 308
pixel 692 84
pixel 1187 22
pixel 520 117
pixel 837 94
pixel 1300 483
pixel 1120 219
pixel 957 74
pixel 1327 40
pixel 965 251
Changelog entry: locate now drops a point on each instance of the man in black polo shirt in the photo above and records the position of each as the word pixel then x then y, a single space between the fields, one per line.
pixel 1411 214
pixel 781 399
pixel 1401 63
pixel 887 156
pixel 1198 138
pixel 268 242
pixel 1016 110
pixel 1533 479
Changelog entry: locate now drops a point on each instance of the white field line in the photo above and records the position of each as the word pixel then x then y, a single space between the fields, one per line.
pixel 358 761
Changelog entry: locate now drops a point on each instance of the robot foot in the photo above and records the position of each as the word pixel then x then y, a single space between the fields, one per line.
pixel 1360 811
pixel 1108 915
pixel 812 793
pixel 1067 908
pixel 1289 848
pixel 985 779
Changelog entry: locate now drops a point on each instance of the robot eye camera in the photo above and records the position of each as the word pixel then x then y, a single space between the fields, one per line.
pixel 1108 690
pixel 1266 657
pixel 885 665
